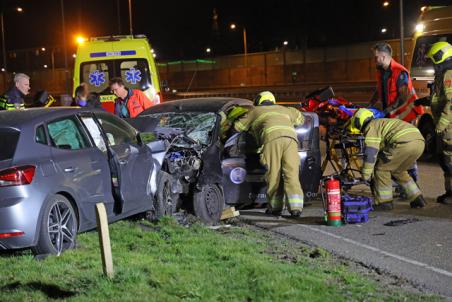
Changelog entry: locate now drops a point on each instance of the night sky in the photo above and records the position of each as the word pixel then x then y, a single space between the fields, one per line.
pixel 183 29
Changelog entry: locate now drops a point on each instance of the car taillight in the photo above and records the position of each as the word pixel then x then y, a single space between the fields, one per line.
pixel 17 176
pixel 8 235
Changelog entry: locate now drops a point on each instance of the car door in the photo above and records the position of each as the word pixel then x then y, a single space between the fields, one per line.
pixel 309 152
pixel 97 139
pixel 132 160
pixel 80 165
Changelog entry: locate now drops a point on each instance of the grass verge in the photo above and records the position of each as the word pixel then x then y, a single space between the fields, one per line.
pixel 168 262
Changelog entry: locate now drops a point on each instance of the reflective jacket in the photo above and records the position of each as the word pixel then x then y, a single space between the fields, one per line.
pixel 383 134
pixel 267 123
pixel 12 99
pixel 135 103
pixel 442 100
pixel 396 107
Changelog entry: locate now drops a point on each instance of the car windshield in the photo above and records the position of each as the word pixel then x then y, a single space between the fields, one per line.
pixel 8 143
pixel 197 126
pixel 421 65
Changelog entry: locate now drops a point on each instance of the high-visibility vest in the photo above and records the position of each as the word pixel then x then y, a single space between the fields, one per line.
pixel 6 105
pixel 136 103
pixel 408 112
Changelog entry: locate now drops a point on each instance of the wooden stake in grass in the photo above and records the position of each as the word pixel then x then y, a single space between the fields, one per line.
pixel 229 213
pixel 104 240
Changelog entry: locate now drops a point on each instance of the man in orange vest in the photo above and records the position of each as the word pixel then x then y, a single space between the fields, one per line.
pixel 394 87
pixel 129 102
pixel 395 91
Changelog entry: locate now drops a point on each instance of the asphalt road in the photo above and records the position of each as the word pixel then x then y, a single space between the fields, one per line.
pixel 415 245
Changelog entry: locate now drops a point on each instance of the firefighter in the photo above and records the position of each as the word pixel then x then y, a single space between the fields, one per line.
pixel 273 128
pixel 391 147
pixel 14 97
pixel 441 101
pixel 395 89
pixel 129 102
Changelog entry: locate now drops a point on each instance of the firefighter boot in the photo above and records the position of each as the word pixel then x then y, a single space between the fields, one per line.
pixel 295 213
pixel 385 206
pixel 446 198
pixel 274 212
pixel 419 202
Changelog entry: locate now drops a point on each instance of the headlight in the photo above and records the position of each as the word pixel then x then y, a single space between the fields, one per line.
pixel 420 27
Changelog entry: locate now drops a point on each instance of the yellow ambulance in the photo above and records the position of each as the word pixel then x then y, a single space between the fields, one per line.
pixel 129 57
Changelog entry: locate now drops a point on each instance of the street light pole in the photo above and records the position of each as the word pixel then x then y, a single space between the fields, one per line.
pixel 118 16
pixel 130 17
pixel 402 50
pixel 245 49
pixel 66 71
pixel 3 39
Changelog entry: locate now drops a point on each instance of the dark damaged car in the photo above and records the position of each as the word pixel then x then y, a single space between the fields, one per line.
pixel 210 169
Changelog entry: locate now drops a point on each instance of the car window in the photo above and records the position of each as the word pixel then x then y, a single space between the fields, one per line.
pixel 117 131
pixel 96 75
pixel 95 133
pixel 40 135
pixel 65 134
pixel 8 142
pixel 135 73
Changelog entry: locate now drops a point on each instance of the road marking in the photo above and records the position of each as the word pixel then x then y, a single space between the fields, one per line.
pixel 374 249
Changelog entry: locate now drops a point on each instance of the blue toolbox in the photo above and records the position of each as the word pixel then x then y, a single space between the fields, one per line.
pixel 355 209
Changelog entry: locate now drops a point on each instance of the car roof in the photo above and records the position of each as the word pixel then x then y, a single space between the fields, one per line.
pixel 22 118
pixel 208 104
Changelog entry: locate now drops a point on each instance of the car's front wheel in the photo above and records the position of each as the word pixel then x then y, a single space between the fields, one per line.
pixel 166 201
pixel 208 203
pixel 58 228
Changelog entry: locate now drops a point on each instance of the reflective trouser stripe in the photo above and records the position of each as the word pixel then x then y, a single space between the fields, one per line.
pixel 295 201
pixel 411 189
pixel 384 195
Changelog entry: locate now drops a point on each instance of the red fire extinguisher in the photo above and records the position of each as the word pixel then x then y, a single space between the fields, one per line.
pixel 333 202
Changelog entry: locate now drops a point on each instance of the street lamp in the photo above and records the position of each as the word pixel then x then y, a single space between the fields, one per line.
pixel 80 39
pixel 2 25
pixel 233 26
pixel 285 43
pixel 384 30
pixel 208 50
pixel 386 3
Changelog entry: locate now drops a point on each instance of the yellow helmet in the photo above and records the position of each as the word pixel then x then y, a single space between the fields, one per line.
pixel 358 120
pixel 264 96
pixel 440 52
